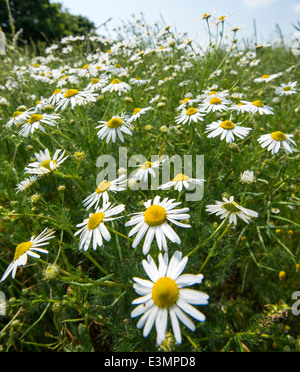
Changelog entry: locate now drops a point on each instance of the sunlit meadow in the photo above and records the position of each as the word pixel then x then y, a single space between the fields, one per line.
pixel 102 253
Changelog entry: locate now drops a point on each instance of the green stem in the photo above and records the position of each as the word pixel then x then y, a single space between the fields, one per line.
pixel 211 252
pixel 96 263
pixel 210 237
pixel 36 322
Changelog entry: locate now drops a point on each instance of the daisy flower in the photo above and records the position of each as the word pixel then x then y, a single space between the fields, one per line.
pixel 56 96
pixel 93 228
pixel 262 45
pixel 189 115
pixel 286 89
pixel 26 249
pixel 117 125
pixel 247 177
pixel 165 295
pixel 232 209
pixel 240 107
pixel 154 222
pixel 35 122
pixel 205 15
pixel 64 80
pixel 18 117
pixel 137 112
pixel 45 163
pixel 181 181
pixel 275 210
pixel 275 140
pixel 117 86
pixel 227 130
pixel 102 192
pixel 215 104
pixel 75 98
pixel 186 102
pixel 138 81
pixel 118 70
pixel 96 84
pixel 221 19
pixel 147 168
pixel 87 71
pixel 257 106
pixel 25 184
pixel 214 93
pixel 267 78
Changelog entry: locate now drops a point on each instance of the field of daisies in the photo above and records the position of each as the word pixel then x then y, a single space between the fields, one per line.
pixel 102 252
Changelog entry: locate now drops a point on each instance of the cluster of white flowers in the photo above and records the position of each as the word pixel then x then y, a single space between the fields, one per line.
pixel 100 75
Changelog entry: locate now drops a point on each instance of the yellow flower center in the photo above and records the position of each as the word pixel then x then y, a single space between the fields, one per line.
pixel 231 207
pixel 36 65
pixel 103 186
pixel 155 215
pixel 56 91
pixel 213 92
pixel 94 81
pixel 136 110
pixel 180 178
pixel 241 104
pixel 278 136
pixel 95 220
pixel 71 92
pixel 221 18
pixel 116 81
pixel 147 165
pixel 118 66
pixel 265 76
pixel 258 103
pixel 185 100
pixel 21 249
pixel 46 164
pixel 215 101
pixel 17 113
pixel 165 292
pixel 191 111
pixel 114 123
pixel 227 124
pixel 287 89
pixel 34 118
pixel 85 67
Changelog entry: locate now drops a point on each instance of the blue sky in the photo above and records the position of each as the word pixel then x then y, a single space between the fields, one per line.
pixel 183 12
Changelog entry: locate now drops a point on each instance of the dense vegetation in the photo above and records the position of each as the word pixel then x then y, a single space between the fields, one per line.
pixel 76 300
pixel 40 20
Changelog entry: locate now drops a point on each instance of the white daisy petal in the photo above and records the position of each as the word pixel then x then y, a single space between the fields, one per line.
pixel 163 296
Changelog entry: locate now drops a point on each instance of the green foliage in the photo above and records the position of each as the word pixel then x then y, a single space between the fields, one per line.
pixel 71 300
pixel 41 20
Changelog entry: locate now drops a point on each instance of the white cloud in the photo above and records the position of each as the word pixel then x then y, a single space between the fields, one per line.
pixel 257 3
pixel 296 8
